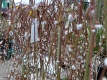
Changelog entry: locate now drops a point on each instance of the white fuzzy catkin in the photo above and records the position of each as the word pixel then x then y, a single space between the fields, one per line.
pixel 67 25
pixel 18 25
pixel 104 78
pixel 100 43
pixel 55 22
pixel 11 33
pixel 73 67
pixel 43 24
pixel 66 32
pixel 93 30
pixel 98 26
pixel 76 8
pixel 27 35
pixel 93 12
pixel 72 5
pixel 1 42
pixel 9 22
pixel 68 47
pixel 79 26
pixel 105 62
pixel 70 18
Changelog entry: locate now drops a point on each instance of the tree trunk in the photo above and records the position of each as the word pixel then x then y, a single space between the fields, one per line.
pixel 0 5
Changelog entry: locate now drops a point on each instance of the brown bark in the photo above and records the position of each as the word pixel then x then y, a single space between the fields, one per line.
pixel 0 5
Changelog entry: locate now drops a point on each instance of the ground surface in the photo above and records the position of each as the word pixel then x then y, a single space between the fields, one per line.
pixel 4 67
pixel 3 70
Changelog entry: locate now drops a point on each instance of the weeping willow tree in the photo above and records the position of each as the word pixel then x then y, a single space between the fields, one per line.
pixel 56 41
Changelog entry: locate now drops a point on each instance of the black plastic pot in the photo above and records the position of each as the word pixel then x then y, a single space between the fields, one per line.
pixel 100 69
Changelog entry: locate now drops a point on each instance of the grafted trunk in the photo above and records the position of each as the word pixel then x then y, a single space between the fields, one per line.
pixel 0 5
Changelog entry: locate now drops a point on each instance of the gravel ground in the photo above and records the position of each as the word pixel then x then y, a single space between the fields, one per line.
pixel 3 68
